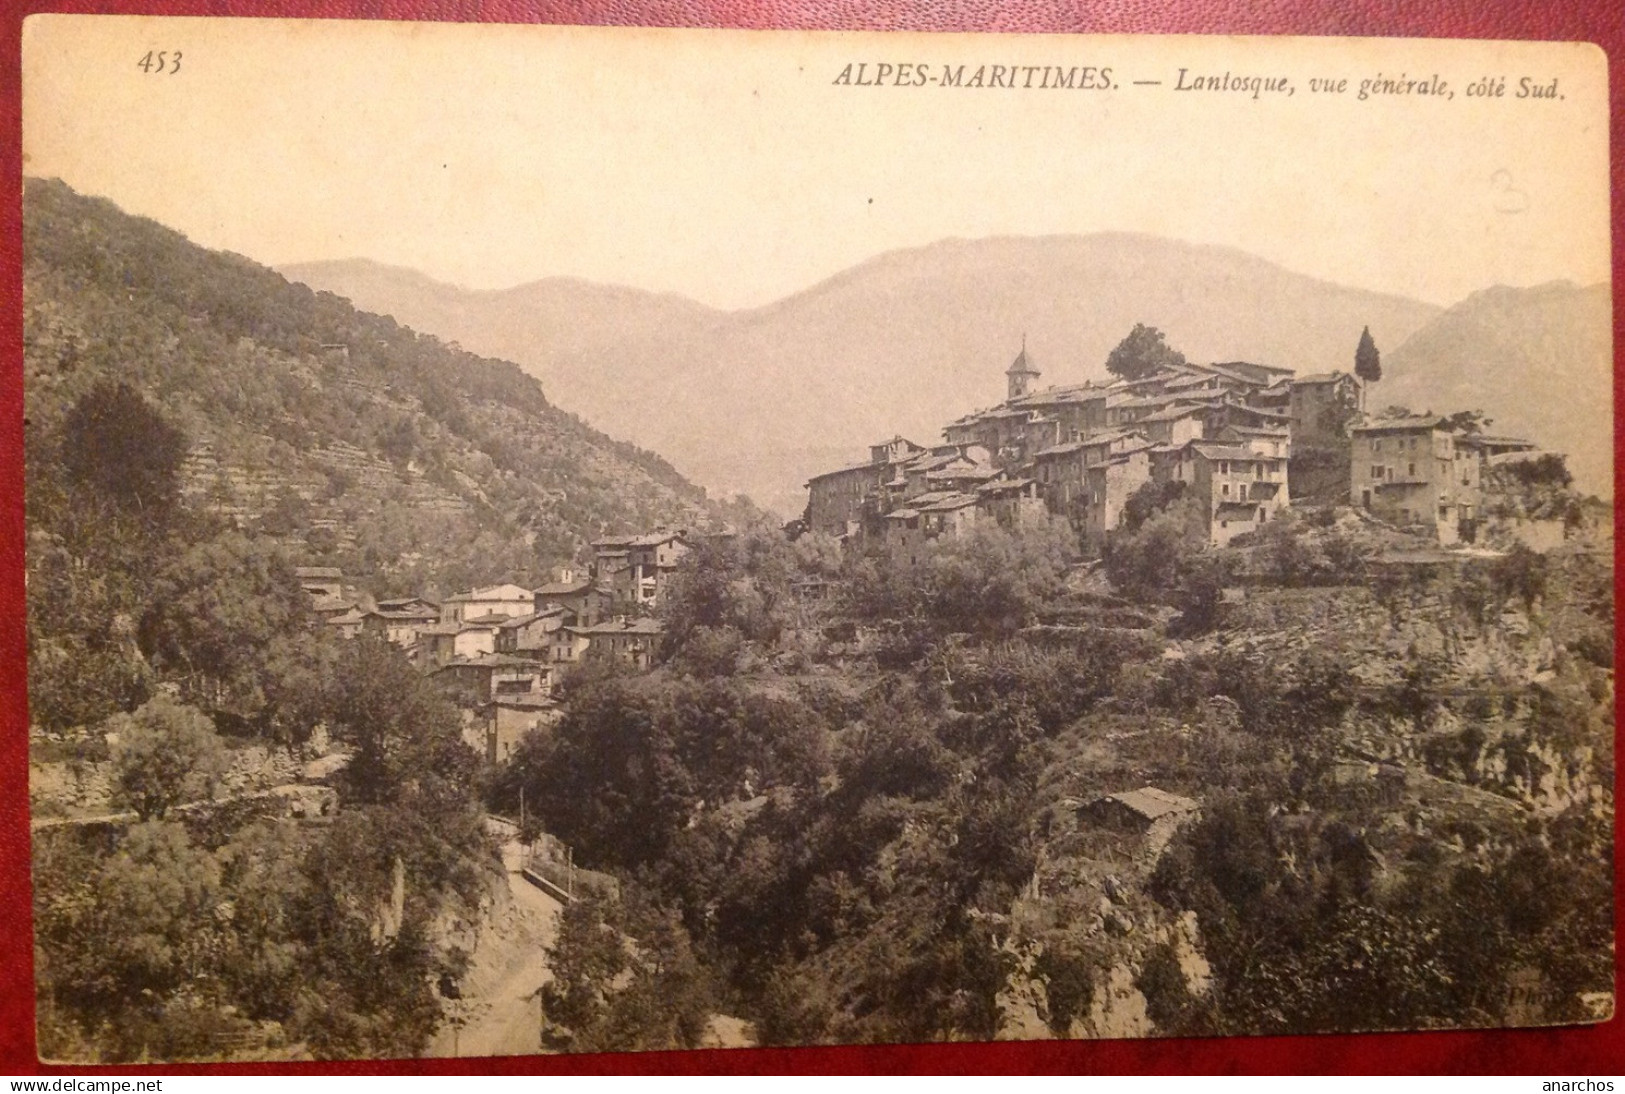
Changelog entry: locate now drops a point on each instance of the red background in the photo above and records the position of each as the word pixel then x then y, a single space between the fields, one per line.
pixel 1571 1051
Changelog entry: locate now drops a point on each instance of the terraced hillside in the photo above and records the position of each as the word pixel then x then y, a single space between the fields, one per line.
pixel 352 439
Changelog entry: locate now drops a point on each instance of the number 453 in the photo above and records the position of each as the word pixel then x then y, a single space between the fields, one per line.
pixel 159 64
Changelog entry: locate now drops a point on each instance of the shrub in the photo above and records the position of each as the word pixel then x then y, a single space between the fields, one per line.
pixel 165 754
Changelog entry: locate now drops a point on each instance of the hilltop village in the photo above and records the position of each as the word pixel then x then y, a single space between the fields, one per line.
pixel 1226 432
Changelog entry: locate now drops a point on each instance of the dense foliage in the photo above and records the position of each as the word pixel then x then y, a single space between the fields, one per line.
pixel 861 818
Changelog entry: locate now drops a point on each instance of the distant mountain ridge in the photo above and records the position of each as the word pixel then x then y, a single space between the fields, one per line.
pixel 1538 361
pixel 356 441
pixel 758 400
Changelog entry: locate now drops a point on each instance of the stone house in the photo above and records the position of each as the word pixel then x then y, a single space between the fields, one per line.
pixel 492 677
pixel 1411 472
pixel 1320 406
pixel 1152 814
pixel 532 635
pixel 929 517
pixel 632 571
pixel 578 598
pixel 835 499
pixel 400 626
pixel 1012 503
pixel 320 582
pixel 630 641
pixel 495 729
pixel 506 601
pixel 347 624
pixel 1107 487
pixel 1240 490
pixel 441 643
pixel 1089 480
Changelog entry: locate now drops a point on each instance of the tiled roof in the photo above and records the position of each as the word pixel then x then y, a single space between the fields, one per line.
pixel 962 473
pixel 1061 396
pixel 1022 364
pixel 562 588
pixel 854 468
pixel 1151 803
pixel 1001 486
pixel 403 603
pixel 492 661
pixel 447 628
pixel 1495 442
pixel 1399 425
pixel 1174 413
pixel 948 504
pixel 631 626
pixel 1226 452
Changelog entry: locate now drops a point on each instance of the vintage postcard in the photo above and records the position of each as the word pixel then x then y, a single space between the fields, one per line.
pixel 546 539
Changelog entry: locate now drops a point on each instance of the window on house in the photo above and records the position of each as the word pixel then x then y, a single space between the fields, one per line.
pixel 1376 471
pixel 1413 470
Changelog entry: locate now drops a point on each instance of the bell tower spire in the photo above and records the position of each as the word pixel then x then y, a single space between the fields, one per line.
pixel 1021 372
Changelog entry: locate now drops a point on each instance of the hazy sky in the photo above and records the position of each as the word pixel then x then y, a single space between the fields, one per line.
pixel 731 168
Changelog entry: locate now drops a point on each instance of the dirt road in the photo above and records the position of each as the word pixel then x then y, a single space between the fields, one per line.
pixel 499 1013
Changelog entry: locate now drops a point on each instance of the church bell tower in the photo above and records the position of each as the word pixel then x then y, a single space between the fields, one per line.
pixel 1021 373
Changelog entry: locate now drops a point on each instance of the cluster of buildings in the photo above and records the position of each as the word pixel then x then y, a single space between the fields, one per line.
pixel 500 651
pixel 1225 430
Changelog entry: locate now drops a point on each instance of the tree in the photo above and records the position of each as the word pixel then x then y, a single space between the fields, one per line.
pixel 122 938
pixel 625 978
pixel 1468 422
pixel 120 447
pixel 405 737
pixel 215 611
pixel 1367 362
pixel 1142 353
pixel 166 753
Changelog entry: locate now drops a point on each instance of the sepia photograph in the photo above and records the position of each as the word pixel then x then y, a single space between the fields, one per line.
pixel 553 540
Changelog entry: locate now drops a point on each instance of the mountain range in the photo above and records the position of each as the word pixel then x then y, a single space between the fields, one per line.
pixel 757 400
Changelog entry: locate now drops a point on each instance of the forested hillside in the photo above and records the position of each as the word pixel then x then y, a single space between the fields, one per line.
pixel 344 435
pixel 884 815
